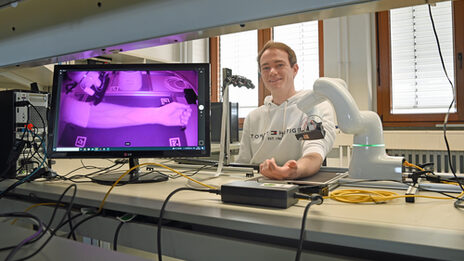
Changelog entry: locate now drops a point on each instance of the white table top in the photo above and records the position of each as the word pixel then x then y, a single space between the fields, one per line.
pixel 430 225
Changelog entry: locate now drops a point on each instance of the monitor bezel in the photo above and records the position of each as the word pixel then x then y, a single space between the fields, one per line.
pixel 203 99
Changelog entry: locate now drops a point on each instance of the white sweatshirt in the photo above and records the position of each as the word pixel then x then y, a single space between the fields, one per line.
pixel 269 131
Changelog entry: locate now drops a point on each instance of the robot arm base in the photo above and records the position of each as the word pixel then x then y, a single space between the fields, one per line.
pixel 373 163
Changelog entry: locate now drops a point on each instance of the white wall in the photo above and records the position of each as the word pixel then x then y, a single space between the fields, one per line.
pixel 348 46
pixel 163 53
pixel 195 51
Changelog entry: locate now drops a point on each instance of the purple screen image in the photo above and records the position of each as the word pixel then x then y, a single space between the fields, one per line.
pixel 128 109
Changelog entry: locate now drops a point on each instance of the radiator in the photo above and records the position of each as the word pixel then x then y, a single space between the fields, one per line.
pixel 438 157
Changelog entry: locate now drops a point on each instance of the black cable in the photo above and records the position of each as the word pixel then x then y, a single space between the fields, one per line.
pixel 107 169
pixel 65 176
pixel 122 219
pixel 72 171
pixel 95 167
pixel 53 232
pixel 315 199
pixel 53 215
pixel 81 222
pixel 436 191
pixel 452 102
pixel 67 221
pixel 459 203
pixel 55 209
pixel 29 158
pixel 71 226
pixel 9 158
pixel 79 182
pixel 100 171
pixel 20 215
pixel 195 171
pixel 160 220
pixel 29 239
pixel 43 123
pixel 143 174
pixel 116 235
pixel 57 229
pixel 43 126
pixel 25 153
pixel 14 185
pixel 29 155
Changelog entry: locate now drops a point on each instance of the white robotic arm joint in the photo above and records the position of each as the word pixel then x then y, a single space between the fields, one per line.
pixel 369 159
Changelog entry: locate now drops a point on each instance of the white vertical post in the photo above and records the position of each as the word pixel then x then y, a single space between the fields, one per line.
pixel 224 148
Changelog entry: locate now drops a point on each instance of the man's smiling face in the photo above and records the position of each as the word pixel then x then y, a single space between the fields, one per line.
pixel 276 71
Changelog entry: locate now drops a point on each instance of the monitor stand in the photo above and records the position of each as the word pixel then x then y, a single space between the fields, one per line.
pixel 135 176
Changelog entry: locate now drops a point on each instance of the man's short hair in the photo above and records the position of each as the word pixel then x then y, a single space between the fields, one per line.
pixel 281 46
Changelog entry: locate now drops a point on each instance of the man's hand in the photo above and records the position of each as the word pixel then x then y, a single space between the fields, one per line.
pixel 173 114
pixel 270 169
pixel 306 166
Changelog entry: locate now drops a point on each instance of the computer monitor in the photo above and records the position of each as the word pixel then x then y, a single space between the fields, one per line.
pixel 216 119
pixel 130 111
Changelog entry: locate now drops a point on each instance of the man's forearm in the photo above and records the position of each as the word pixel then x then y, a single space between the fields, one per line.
pixel 106 115
pixel 309 164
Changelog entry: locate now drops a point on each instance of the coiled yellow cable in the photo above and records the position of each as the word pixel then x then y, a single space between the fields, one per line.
pixel 372 196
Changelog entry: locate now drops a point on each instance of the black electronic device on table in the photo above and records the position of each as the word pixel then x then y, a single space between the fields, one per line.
pixel 17 109
pixel 130 111
pixel 321 183
pixel 216 118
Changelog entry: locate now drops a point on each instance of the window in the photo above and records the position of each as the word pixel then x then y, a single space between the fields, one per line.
pixel 418 82
pixel 412 87
pixel 238 51
pixel 303 38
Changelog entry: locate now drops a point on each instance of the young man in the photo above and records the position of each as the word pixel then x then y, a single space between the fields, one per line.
pixel 269 132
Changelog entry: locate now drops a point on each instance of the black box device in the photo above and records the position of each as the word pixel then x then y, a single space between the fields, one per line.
pixel 262 194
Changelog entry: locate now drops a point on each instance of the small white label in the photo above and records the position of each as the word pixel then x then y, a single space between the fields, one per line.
pixel 276 185
pixel 174 142
pixel 164 101
pixel 80 141
pixel 21 114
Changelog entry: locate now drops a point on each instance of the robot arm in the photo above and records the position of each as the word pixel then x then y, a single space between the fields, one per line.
pixel 369 160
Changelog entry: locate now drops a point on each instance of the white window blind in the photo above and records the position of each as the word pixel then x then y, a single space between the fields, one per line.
pixel 303 38
pixel 419 84
pixel 238 51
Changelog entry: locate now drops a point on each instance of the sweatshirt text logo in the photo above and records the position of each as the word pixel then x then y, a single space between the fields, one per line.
pixel 276 134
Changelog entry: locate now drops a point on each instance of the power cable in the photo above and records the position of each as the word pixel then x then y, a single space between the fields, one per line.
pixel 161 216
pixel 452 101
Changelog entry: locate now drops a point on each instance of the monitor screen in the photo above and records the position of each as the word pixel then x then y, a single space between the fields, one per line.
pixel 130 110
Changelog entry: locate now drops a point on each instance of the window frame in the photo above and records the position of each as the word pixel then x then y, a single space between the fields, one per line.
pixel 384 91
pixel 264 35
